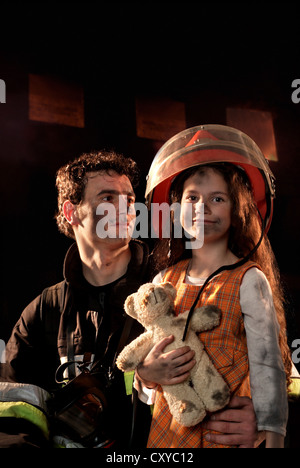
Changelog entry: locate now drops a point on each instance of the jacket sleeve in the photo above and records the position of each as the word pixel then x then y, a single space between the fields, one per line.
pixel 23 400
pixel 22 349
pixel 30 358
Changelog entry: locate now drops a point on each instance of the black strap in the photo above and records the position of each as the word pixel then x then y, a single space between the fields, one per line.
pixel 124 338
pixel 82 365
pixel 65 298
pixel 67 301
pixel 220 270
pixel 87 356
pixel 217 272
pixel 122 342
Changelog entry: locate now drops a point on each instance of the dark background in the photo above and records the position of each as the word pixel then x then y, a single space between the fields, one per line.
pixel 209 56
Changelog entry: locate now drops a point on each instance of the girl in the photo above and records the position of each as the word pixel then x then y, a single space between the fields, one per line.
pixel 235 269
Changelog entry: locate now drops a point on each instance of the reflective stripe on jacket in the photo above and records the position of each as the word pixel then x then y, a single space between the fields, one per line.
pixel 24 401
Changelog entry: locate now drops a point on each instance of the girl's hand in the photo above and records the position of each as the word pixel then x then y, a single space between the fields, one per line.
pixel 170 368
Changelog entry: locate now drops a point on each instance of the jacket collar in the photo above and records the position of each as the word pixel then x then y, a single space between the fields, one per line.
pixel 137 266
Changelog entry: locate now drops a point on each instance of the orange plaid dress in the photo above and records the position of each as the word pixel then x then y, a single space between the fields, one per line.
pixel 226 346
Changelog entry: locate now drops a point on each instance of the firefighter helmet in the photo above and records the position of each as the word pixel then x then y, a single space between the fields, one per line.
pixel 211 144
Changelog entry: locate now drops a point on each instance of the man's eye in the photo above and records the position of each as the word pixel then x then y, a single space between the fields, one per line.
pixel 107 198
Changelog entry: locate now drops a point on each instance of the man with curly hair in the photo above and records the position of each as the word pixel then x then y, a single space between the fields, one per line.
pixel 91 181
pixel 83 315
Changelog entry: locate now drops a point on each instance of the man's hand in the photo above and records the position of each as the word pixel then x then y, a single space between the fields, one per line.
pixel 160 368
pixel 236 424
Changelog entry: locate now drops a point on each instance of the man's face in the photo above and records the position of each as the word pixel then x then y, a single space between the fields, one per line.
pixel 106 213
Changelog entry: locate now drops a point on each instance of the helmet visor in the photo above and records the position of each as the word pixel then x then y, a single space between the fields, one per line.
pixel 203 145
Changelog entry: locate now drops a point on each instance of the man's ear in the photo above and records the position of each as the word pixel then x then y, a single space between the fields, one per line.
pixel 70 213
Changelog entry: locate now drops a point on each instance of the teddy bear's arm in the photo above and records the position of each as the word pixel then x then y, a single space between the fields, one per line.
pixel 135 352
pixel 205 318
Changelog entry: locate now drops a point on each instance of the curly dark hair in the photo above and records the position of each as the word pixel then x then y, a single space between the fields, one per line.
pixel 71 179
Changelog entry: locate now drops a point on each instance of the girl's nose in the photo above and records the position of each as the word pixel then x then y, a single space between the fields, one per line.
pixel 207 209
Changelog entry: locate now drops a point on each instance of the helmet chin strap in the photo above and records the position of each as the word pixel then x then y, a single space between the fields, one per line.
pixel 220 270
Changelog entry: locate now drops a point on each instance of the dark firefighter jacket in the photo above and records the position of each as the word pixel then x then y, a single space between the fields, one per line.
pixel 38 343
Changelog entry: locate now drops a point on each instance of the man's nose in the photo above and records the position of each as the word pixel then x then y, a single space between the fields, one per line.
pixel 125 206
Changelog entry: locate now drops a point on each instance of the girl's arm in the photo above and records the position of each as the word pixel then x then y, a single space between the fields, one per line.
pixel 267 374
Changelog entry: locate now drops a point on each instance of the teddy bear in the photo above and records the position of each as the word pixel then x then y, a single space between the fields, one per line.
pixel 205 390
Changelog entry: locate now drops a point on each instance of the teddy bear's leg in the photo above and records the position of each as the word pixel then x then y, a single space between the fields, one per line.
pixel 135 352
pixel 184 404
pixel 209 385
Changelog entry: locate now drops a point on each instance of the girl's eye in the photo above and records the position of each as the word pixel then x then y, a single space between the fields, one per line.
pixel 218 199
pixel 192 198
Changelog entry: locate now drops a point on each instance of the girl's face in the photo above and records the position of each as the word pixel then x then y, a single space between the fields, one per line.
pixel 209 188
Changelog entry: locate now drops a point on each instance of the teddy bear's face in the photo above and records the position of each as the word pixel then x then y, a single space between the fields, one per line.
pixel 150 302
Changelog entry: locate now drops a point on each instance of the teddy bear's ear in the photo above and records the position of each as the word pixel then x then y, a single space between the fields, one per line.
pixel 170 289
pixel 129 307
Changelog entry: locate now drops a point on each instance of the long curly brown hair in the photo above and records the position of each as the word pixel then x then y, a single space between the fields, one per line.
pixel 71 179
pixel 245 233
